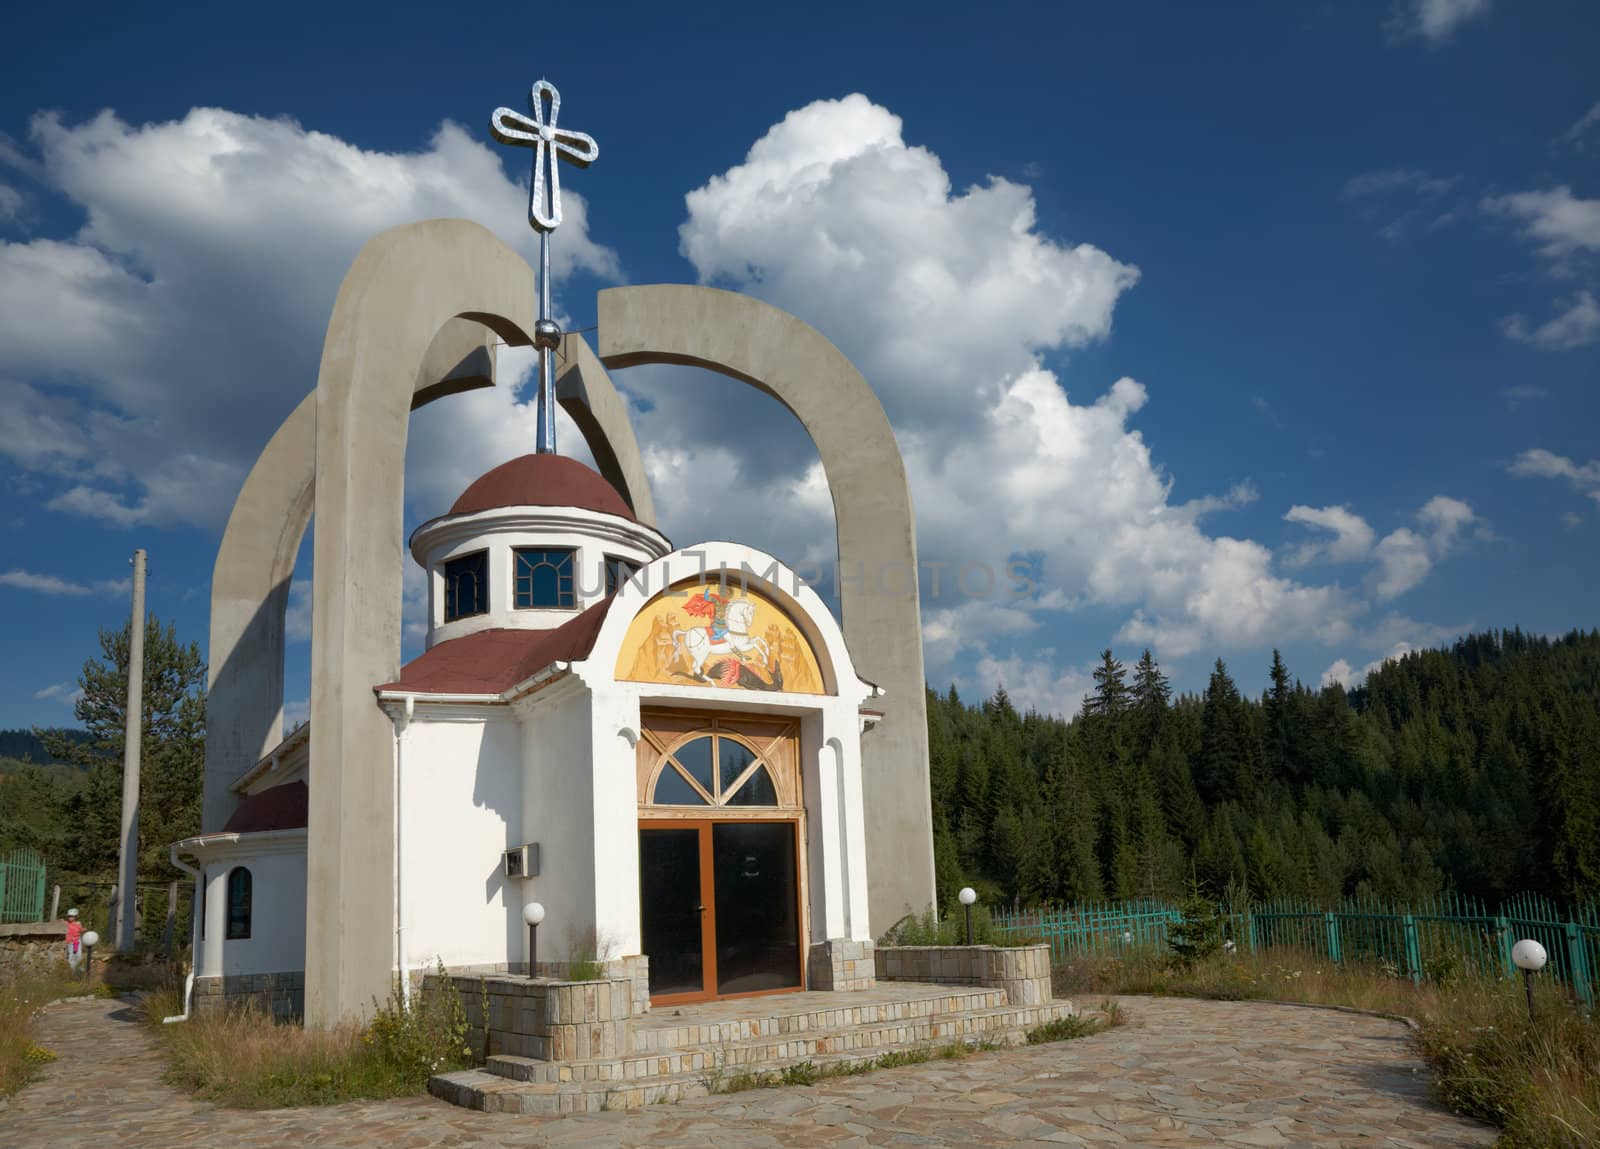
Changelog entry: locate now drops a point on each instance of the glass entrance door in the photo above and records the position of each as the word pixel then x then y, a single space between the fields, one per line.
pixel 719 907
pixel 758 928
pixel 673 918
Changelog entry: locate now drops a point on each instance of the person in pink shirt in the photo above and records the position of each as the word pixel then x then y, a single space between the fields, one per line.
pixel 74 940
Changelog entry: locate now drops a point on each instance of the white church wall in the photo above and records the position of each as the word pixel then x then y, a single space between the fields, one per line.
pixel 277 942
pixel 461 808
pixel 558 812
pixel 822 832
pixel 616 803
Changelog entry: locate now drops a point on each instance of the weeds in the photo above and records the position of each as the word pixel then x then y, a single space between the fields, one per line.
pixel 20 1002
pixel 951 930
pixel 246 1059
pixel 801 1073
pixel 1539 1082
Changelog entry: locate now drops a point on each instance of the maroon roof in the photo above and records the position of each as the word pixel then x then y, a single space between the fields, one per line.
pixel 492 661
pixel 280 808
pixel 542 481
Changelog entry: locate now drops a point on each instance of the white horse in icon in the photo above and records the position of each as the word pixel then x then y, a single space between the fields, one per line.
pixel 697 645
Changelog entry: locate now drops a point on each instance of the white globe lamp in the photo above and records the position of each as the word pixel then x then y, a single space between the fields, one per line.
pixel 1529 956
pixel 967 896
pixel 533 914
pixel 89 941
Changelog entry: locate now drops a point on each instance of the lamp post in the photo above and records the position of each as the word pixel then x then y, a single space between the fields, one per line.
pixel 1529 957
pixel 533 914
pixel 90 940
pixel 968 895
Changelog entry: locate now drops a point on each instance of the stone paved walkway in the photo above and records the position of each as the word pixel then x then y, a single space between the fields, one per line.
pixel 1179 1074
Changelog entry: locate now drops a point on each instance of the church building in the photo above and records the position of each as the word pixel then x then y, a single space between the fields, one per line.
pixel 661 747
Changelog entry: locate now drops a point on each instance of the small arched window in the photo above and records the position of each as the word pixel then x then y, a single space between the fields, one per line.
pixel 714 770
pixel 466 586
pixel 238 903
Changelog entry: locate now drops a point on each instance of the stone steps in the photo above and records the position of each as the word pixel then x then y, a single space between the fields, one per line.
pixel 525 1085
pixel 657 1032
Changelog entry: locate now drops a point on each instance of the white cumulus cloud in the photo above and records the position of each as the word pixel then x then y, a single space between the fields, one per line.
pixel 1577 326
pixel 67 693
pixel 1434 20
pixel 948 298
pixel 1352 537
pixel 146 359
pixel 1541 464
pixel 1558 221
pixel 53 585
pixel 1406 556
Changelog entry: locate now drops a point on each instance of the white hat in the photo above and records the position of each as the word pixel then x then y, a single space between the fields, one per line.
pixel 72 913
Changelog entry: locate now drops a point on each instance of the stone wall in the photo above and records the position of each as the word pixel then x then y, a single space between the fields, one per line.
pixel 841 965
pixel 1022 971
pixel 32 949
pixel 543 1018
pixel 283 995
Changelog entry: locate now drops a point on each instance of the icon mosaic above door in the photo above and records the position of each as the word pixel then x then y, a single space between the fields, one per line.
pixel 729 637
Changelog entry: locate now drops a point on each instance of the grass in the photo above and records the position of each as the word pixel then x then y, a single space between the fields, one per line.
pixel 20 1002
pixel 1077 1025
pixel 951 930
pixel 247 1060
pixel 1538 1082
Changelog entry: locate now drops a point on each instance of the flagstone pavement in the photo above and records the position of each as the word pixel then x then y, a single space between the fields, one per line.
pixel 1178 1074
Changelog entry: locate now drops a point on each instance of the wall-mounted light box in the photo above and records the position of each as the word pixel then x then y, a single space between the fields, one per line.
pixel 523 861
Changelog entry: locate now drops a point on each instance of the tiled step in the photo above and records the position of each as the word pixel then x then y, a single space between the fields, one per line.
pixel 658 1032
pixel 754 1052
pixel 697 1071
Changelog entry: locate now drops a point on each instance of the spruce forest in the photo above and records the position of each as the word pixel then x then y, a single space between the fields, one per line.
pixel 1474 770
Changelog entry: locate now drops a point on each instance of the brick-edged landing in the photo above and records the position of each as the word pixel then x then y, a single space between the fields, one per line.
pixel 692 1050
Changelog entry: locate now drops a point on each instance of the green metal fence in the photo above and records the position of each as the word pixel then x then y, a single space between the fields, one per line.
pixel 1445 936
pixel 21 886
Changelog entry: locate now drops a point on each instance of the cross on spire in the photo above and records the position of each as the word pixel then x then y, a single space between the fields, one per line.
pixel 549 143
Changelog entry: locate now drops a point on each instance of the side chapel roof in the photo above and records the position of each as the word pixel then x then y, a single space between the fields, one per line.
pixel 493 661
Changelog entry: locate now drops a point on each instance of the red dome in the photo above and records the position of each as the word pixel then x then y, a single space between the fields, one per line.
pixel 542 481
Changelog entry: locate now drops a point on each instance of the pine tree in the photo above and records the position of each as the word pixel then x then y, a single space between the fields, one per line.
pixel 1110 696
pixel 1226 770
pixel 1275 712
pixel 1152 694
pixel 172 757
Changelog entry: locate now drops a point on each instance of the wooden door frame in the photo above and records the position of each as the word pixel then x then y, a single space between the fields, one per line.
pixel 706 827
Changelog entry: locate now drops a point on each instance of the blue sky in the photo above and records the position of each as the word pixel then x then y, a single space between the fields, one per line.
pixel 1248 325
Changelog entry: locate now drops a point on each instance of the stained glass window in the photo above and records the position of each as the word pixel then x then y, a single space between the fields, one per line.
pixel 544 579
pixel 466 586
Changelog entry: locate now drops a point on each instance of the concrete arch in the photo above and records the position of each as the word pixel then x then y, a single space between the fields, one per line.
pixel 255 564
pixel 788 359
pixel 255 560
pixel 403 288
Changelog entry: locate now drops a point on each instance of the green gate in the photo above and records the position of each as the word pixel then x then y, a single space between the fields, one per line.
pixel 21 886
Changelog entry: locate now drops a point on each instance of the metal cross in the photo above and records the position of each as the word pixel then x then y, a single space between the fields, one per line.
pixel 549 143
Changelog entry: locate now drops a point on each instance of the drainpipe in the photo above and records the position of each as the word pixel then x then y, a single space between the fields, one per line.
pixel 194 930
pixel 401 723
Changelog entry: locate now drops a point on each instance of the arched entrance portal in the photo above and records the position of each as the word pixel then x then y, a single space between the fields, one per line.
pixel 721 870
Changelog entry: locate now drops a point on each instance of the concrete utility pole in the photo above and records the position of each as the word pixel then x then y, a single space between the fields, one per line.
pixel 128 868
